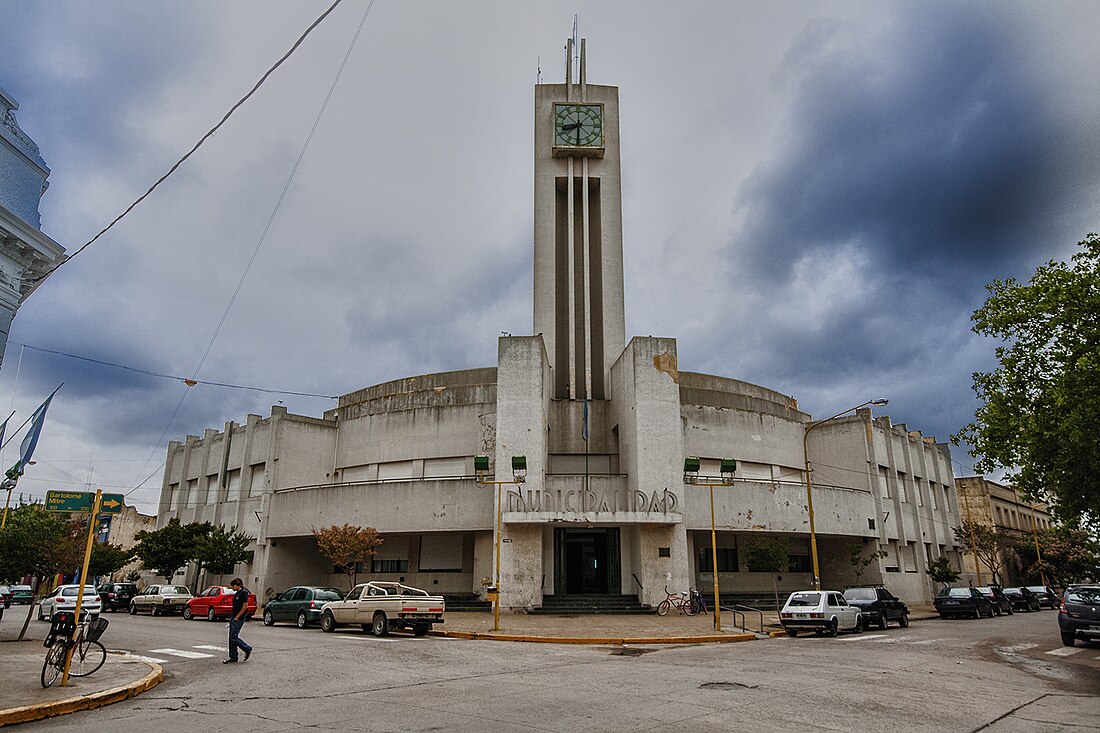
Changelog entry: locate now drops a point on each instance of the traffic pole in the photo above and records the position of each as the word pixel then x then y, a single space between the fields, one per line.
pixel 83 582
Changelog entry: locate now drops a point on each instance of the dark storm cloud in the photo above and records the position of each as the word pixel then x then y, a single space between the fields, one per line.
pixel 936 147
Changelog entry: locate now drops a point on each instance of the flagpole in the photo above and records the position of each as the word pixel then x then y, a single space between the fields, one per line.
pixel 26 449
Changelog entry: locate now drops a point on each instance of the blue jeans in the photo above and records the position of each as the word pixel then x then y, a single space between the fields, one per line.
pixel 235 640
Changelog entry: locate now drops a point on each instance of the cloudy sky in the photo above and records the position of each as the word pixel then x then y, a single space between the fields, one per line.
pixel 815 195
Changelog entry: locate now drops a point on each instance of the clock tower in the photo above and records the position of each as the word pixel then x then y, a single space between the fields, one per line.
pixel 578 232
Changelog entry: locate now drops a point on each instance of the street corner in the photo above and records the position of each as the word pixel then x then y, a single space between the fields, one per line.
pixel 127 677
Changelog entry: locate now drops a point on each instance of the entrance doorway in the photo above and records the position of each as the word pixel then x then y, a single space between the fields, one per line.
pixel 586 561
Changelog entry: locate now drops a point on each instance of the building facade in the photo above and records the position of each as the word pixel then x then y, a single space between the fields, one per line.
pixel 998 506
pixel 26 254
pixel 604 424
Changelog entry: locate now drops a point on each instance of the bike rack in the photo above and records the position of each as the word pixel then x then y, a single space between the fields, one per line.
pixel 739 610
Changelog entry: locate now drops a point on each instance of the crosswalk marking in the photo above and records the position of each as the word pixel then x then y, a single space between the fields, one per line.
pixel 182 653
pixel 1065 651
pixel 864 637
pixel 154 660
pixel 1017 647
pixel 209 646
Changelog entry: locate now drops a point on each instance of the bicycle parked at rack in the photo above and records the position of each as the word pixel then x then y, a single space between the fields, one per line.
pixel 682 602
pixel 88 654
pixel 700 602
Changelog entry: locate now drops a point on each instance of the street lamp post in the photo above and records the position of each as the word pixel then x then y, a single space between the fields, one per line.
pixel 809 480
pixel 519 475
pixel 691 477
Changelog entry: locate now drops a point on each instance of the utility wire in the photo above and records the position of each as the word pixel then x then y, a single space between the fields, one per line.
pixel 263 235
pixel 210 133
pixel 188 381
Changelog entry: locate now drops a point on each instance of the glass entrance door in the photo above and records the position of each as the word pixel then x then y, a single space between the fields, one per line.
pixel 586 561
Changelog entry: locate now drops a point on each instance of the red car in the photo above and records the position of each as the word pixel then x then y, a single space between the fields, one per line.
pixel 216 602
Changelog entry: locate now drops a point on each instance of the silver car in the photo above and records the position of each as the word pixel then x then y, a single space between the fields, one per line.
pixel 820 611
pixel 63 598
pixel 161 599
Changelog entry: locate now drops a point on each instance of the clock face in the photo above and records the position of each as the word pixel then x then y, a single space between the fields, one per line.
pixel 578 125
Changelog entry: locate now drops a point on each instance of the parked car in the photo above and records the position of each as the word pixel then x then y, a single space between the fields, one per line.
pixel 1046 595
pixel 820 611
pixel 878 606
pixel 1079 614
pixel 116 595
pixel 63 598
pixel 161 599
pixel 22 595
pixel 962 601
pixel 301 604
pixel 1001 604
pixel 216 602
pixel 380 607
pixel 1022 599
pixel 7 595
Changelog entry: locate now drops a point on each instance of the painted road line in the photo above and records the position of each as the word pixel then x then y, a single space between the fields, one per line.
pixel 1016 648
pixel 182 653
pixel 864 637
pixel 1066 651
pixel 154 660
pixel 210 646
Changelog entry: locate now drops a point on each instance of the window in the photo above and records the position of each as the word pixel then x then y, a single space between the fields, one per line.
pixel 883 484
pixel 212 490
pixel 395 470
pixel 917 491
pixel 727 560
pixel 932 495
pixel 256 485
pixel 901 488
pixel 446 467
pixel 909 557
pixel 891 560
pixel 234 491
pixel 389 566
pixel 192 492
pixel 799 563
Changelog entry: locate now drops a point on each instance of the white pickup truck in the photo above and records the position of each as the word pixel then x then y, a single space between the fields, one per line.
pixel 380 607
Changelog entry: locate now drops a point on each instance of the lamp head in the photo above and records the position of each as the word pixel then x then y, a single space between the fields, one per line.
pixel 481 464
pixel 879 402
pixel 691 465
pixel 728 466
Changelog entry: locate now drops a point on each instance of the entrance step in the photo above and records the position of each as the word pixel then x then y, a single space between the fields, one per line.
pixel 587 604
pixel 466 602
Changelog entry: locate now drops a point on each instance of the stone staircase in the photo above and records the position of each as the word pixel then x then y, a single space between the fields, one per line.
pixel 581 605
pixel 466 602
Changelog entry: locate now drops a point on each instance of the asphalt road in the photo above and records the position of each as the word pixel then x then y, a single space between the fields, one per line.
pixel 1000 675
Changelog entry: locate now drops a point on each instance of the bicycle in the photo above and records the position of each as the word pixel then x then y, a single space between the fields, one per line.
pixel 682 602
pixel 700 602
pixel 88 654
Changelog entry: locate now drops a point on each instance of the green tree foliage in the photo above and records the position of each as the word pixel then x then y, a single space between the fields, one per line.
pixel 166 550
pixel 861 562
pixel 940 571
pixel 994 549
pixel 219 550
pixel 345 546
pixel 769 555
pixel 1068 556
pixel 107 558
pixel 1040 416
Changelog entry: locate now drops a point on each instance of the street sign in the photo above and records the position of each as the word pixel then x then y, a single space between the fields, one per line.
pixel 82 501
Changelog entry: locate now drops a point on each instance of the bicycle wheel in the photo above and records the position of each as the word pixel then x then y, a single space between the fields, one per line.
pixel 662 607
pixel 54 664
pixel 691 607
pixel 87 658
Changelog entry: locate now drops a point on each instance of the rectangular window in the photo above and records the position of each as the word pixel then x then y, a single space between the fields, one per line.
pixel 233 492
pixel 909 557
pixel 447 467
pixel 256 485
pixel 917 491
pixel 395 470
pixel 727 560
pixel 932 494
pixel 883 483
pixel 173 494
pixel 890 562
pixel 901 488
pixel 753 471
pixel 211 485
pixel 799 564
pixel 574 464
pixel 192 492
pixel 389 566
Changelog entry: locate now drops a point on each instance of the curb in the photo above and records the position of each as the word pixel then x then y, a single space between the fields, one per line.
pixel 27 713
pixel 597 640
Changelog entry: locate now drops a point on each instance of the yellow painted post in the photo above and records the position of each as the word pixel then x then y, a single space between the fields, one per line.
pixel 714 563
pixel 83 582
pixel 973 541
pixel 496 605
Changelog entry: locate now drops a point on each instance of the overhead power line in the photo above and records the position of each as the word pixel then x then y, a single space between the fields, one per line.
pixel 210 133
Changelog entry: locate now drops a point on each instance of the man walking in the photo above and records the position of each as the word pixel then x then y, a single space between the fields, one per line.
pixel 236 621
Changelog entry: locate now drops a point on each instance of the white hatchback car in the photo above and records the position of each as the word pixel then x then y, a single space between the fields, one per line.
pixel 820 611
pixel 63 598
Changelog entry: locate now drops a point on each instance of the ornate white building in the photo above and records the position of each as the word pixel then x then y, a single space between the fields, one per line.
pixel 605 426
pixel 26 254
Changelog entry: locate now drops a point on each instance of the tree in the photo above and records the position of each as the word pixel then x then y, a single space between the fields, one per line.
pixel 219 550
pixel 993 548
pixel 768 555
pixel 940 571
pixel 166 550
pixel 1068 556
pixel 861 562
pixel 40 544
pixel 347 546
pixel 1041 406
pixel 107 558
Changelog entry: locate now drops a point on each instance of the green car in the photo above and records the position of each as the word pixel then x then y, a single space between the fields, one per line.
pixel 300 604
pixel 22 595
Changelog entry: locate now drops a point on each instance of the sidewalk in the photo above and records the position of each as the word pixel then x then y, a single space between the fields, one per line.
pixel 23 699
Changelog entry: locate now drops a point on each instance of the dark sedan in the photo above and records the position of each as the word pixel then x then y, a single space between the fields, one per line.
pixel 1079 614
pixel 1046 595
pixel 996 596
pixel 300 604
pixel 962 601
pixel 1022 599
